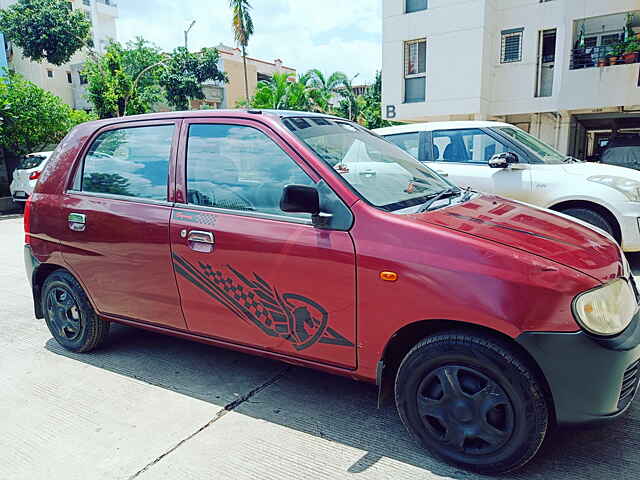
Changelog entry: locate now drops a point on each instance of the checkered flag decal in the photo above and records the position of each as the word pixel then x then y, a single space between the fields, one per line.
pixel 293 317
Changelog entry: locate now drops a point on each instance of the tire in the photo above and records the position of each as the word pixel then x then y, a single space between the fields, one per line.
pixel 471 400
pixel 69 315
pixel 592 217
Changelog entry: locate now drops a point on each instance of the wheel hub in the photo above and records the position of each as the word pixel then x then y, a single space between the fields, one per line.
pixel 465 410
pixel 63 313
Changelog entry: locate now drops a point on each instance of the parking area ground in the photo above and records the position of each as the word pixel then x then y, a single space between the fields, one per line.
pixel 153 407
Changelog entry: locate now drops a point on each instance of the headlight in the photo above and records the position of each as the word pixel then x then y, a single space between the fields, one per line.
pixel 630 188
pixel 606 310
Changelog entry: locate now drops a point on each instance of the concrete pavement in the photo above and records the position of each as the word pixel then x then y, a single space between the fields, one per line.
pixel 153 407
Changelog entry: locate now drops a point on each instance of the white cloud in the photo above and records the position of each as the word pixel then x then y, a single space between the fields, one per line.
pixel 330 35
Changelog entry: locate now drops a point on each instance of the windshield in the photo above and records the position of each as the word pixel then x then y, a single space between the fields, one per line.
pixel 32 161
pixel 543 152
pixel 383 174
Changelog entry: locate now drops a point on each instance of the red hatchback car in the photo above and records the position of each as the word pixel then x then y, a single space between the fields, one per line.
pixel 308 239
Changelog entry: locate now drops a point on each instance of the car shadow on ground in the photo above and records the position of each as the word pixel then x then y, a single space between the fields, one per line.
pixel 341 410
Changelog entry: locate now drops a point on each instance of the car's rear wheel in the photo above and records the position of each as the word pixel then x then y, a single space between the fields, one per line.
pixel 592 217
pixel 69 315
pixel 473 401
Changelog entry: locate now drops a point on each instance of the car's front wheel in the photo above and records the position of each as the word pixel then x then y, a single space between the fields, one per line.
pixel 473 401
pixel 591 217
pixel 69 315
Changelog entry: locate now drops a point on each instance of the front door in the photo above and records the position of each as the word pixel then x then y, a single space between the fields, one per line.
pixel 463 156
pixel 249 273
pixel 116 238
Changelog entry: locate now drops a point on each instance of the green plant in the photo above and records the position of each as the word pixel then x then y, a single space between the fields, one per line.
pixel 31 118
pixel 632 46
pixel 46 29
pixel 617 49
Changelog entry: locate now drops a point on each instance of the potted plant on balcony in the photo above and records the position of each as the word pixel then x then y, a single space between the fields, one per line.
pixel 616 52
pixel 631 50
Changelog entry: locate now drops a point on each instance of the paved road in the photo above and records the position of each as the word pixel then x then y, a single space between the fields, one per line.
pixel 154 407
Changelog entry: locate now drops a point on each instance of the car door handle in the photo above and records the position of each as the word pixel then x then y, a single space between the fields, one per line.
pixel 442 173
pixel 77 221
pixel 198 236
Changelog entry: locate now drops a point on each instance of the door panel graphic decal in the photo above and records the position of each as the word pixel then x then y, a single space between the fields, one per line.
pixel 292 317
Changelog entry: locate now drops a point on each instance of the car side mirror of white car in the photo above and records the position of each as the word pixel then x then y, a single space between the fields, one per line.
pixel 503 160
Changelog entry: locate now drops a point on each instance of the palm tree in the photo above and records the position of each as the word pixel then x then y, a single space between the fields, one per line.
pixel 325 86
pixel 242 30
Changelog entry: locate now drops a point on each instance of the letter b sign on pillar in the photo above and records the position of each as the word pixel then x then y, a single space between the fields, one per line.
pixel 391 111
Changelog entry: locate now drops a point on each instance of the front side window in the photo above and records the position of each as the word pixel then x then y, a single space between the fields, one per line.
pixel 415 5
pixel 409 142
pixel 132 162
pixel 239 168
pixel 511 47
pixel 541 151
pixel 381 173
pixel 415 71
pixel 469 145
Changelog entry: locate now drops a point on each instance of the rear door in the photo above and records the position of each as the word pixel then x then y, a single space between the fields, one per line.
pixel 117 215
pixel 463 154
pixel 249 273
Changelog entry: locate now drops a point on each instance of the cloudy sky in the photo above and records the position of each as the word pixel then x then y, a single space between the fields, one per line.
pixel 330 35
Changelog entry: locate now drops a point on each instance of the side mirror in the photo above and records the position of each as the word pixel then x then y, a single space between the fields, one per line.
pixel 300 199
pixel 502 160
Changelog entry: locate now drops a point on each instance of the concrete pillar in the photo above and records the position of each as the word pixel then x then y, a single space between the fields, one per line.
pixel 565 132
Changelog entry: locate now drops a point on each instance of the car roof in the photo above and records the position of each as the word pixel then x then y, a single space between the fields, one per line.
pixel 430 126
pixel 243 113
pixel 624 140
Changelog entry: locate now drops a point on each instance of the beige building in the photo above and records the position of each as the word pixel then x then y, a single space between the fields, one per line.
pixel 536 63
pixel 64 81
pixel 257 70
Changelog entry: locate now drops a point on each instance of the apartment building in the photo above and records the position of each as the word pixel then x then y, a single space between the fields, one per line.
pixel 65 80
pixel 534 63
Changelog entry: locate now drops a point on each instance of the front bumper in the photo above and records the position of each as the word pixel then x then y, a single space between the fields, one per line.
pixel 590 378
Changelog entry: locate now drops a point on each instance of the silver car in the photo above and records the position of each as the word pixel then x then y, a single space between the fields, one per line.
pixel 26 175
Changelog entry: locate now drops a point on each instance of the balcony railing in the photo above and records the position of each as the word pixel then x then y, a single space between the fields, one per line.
pixel 601 56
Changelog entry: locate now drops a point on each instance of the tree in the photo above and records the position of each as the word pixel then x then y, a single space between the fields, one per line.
pixel 46 29
pixel 285 93
pixel 183 73
pixel 371 115
pixel 32 118
pixel 123 81
pixel 326 87
pixel 242 30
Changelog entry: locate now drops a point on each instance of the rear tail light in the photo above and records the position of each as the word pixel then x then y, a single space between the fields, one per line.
pixel 35 175
pixel 27 222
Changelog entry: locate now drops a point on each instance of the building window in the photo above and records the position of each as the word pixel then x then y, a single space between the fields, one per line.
pixel 83 80
pixel 415 71
pixel 49 73
pixel 511 50
pixel 69 78
pixel 411 6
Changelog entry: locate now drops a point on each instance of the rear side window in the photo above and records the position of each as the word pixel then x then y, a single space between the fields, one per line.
pixel 239 168
pixel 32 161
pixel 409 142
pixel 132 162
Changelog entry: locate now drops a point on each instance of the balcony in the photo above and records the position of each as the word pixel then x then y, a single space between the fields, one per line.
pixel 601 56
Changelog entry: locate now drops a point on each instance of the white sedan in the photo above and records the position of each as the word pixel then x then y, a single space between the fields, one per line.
pixel 26 175
pixel 500 158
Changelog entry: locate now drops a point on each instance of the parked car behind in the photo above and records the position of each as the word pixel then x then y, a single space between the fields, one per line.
pixel 527 169
pixel 486 319
pixel 622 150
pixel 26 175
